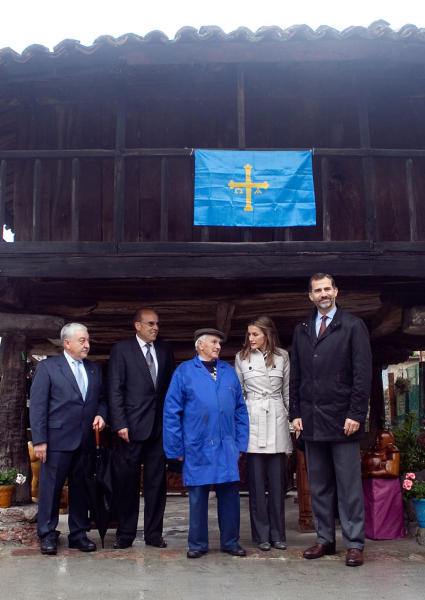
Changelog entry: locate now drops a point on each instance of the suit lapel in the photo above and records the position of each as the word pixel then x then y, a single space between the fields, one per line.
pixel 330 327
pixel 141 360
pixel 66 370
pixel 90 375
pixel 160 358
pixel 311 330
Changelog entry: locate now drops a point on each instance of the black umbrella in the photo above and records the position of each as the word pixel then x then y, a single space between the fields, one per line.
pixel 99 488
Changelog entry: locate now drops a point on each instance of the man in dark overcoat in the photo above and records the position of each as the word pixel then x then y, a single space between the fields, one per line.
pixel 330 383
pixel 140 370
pixel 66 404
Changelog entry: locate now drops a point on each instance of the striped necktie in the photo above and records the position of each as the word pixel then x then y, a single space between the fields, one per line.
pixel 151 363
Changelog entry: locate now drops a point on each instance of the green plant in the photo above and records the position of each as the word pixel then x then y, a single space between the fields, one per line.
pixel 408 439
pixel 8 477
pixel 412 488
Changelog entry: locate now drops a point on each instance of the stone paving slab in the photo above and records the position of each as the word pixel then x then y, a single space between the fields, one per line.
pixel 394 569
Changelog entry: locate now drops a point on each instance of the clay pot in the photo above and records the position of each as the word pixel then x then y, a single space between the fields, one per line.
pixel 6 495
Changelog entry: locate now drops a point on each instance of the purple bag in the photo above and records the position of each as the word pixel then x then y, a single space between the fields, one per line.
pixel 383 509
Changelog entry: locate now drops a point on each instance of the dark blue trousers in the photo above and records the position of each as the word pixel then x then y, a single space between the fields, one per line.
pixel 228 511
pixel 53 473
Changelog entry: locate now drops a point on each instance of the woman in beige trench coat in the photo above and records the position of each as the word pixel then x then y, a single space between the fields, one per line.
pixel 263 371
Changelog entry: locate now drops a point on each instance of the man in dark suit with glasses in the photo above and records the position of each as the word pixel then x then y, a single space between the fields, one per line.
pixel 140 371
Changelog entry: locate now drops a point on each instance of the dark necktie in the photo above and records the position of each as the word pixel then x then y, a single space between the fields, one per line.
pixel 322 326
pixel 151 363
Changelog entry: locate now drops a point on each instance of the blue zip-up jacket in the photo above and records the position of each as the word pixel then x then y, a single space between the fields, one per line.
pixel 206 422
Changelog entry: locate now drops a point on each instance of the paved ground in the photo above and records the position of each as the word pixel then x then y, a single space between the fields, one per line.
pixel 394 570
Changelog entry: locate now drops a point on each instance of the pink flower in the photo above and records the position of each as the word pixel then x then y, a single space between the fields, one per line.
pixel 410 476
pixel 407 484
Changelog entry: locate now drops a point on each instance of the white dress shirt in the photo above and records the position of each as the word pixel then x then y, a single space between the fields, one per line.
pixel 329 316
pixel 73 367
pixel 144 346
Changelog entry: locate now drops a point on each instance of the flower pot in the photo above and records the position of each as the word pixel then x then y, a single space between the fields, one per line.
pixel 420 511
pixel 6 495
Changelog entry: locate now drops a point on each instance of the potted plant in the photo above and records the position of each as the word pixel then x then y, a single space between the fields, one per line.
pixel 415 490
pixel 410 440
pixel 8 480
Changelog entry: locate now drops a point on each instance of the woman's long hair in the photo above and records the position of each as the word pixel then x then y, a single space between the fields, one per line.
pixel 268 327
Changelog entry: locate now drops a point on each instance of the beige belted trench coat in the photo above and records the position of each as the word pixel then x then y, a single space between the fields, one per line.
pixel 266 392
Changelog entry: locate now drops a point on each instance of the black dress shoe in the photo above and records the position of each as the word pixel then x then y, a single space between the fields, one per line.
pixel 121 544
pixel 236 551
pixel 48 545
pixel 264 546
pixel 196 553
pixel 161 543
pixel 83 544
pixel 279 545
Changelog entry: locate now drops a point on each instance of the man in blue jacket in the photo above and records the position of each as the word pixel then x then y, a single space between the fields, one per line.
pixel 66 405
pixel 206 426
pixel 331 371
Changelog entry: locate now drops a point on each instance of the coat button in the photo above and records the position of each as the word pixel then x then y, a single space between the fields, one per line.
pixel 250 368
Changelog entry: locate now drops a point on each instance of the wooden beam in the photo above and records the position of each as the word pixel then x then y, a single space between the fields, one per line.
pixel 45 325
pixel 414 321
pixel 224 316
pixel 220 264
pixel 361 152
pixel 386 321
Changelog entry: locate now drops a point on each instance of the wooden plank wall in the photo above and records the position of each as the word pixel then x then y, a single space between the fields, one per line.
pixel 113 161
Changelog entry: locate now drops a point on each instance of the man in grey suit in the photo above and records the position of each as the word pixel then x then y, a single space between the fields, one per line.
pixel 329 390
pixel 66 404
pixel 140 371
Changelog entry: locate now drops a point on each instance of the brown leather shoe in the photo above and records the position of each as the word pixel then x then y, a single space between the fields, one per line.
pixel 319 550
pixel 354 557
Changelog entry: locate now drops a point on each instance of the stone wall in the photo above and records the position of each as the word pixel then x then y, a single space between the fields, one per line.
pixel 19 524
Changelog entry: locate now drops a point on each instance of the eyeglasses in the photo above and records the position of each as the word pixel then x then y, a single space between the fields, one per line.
pixel 150 323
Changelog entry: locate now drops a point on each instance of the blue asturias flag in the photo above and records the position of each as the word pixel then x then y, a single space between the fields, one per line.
pixel 254 188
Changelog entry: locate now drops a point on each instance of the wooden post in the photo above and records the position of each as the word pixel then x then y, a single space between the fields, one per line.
pixel 75 210
pixel 119 172
pixel 368 171
pixel 377 406
pixel 326 222
pixel 412 200
pixel 13 410
pixel 3 172
pixel 164 200
pixel 240 111
pixel 36 201
pixel 15 331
